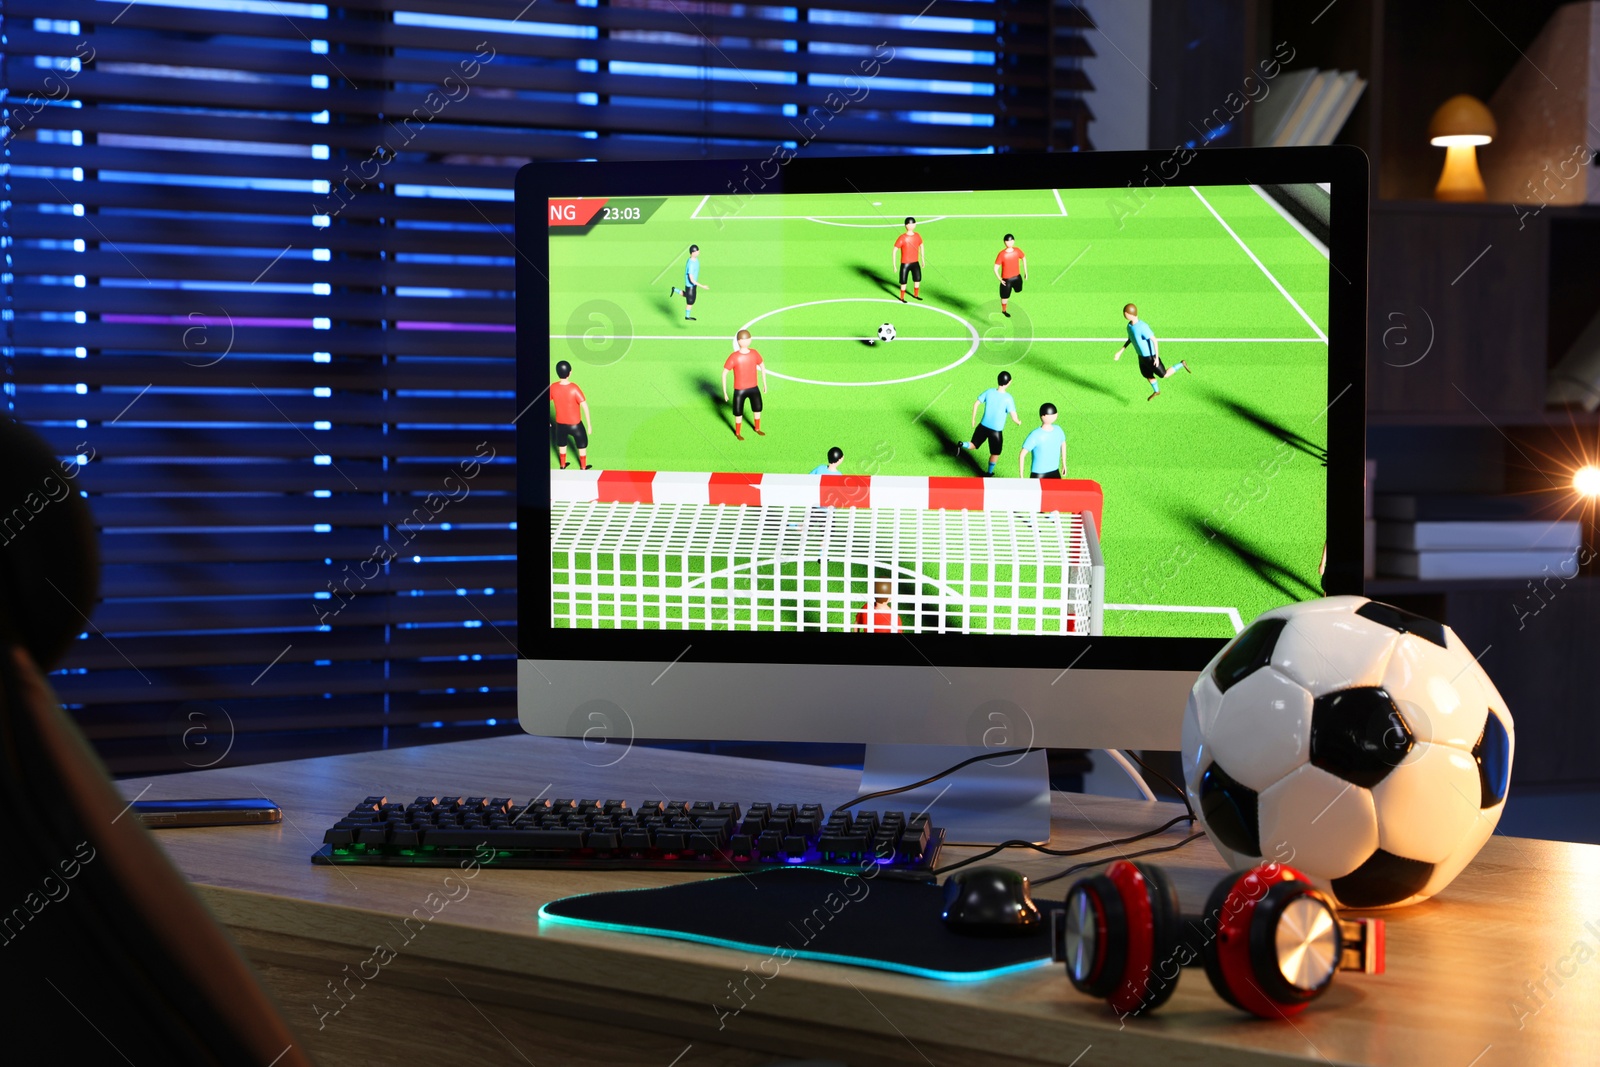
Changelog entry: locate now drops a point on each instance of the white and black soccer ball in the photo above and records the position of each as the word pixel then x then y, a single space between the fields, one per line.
pixel 1357 741
pixel 886 332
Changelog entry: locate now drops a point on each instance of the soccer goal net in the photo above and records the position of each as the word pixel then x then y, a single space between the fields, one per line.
pixel 681 551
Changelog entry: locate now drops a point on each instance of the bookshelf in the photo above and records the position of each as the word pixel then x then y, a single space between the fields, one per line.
pixel 1496 293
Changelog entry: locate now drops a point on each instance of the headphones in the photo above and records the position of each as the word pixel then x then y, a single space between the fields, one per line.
pixel 1269 941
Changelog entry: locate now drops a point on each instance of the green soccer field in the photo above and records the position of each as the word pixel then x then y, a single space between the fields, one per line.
pixel 1214 491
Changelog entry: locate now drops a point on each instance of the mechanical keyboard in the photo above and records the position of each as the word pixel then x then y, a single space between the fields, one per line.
pixel 445 831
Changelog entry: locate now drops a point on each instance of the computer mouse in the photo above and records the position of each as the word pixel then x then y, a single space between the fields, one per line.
pixel 990 901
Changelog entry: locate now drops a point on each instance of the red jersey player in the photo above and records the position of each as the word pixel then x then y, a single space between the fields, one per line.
pixel 1011 267
pixel 572 416
pixel 749 374
pixel 880 619
pixel 908 259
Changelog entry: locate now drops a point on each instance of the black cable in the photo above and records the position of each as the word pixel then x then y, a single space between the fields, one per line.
pixel 935 777
pixel 1168 782
pixel 1075 868
pixel 1113 843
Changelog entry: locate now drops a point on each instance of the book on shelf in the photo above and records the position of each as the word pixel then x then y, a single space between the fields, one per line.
pixel 1307 107
pixel 1274 109
pixel 1350 92
pixel 1491 535
pixel 1369 528
pixel 1460 507
pixel 1333 93
pixel 1296 120
pixel 1429 566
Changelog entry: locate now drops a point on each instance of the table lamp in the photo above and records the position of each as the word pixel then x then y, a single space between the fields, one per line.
pixel 1459 126
pixel 1586 481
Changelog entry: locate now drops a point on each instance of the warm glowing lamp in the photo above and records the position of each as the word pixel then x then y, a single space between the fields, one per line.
pixel 1586 481
pixel 1461 124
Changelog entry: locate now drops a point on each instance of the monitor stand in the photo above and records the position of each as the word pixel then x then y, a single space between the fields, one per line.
pixel 984 803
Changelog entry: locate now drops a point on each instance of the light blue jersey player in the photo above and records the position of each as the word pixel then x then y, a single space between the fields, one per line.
pixel 1145 346
pixel 1047 446
pixel 820 514
pixel 996 403
pixel 691 283
pixel 835 457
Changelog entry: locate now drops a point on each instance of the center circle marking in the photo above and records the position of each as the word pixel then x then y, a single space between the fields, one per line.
pixel 971 349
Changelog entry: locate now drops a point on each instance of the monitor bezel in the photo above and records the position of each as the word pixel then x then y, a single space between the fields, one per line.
pixel 1343 168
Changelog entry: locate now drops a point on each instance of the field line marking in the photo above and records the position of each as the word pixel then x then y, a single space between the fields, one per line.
pixel 920 221
pixel 972 331
pixel 764 337
pixel 1184 340
pixel 696 212
pixel 1059 204
pixel 1275 283
pixel 1231 613
pixel 826 220
pixel 861 337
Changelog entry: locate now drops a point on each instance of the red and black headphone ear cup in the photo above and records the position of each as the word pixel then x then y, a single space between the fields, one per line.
pixel 1152 923
pixel 1097 936
pixel 1167 924
pixel 1212 935
pixel 1276 941
pixel 1295 943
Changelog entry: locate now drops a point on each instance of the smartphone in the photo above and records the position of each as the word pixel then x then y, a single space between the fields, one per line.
pixel 160 814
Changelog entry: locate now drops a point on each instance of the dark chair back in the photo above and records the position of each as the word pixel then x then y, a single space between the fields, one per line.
pixel 107 953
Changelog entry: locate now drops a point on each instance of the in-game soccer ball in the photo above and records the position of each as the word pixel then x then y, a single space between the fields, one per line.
pixel 1357 741
pixel 886 332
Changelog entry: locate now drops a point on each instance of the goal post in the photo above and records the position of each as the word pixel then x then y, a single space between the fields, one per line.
pixel 802 552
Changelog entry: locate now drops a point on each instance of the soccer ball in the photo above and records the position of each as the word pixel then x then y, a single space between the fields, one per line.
pixel 1357 741
pixel 886 332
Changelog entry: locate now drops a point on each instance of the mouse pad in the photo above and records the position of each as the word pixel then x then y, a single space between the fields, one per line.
pixel 809 913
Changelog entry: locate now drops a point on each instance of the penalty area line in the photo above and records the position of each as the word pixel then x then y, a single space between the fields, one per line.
pixel 1231 613
pixel 1263 267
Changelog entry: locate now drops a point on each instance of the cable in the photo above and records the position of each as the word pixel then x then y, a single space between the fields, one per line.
pixel 1118 756
pixel 1075 868
pixel 935 777
pixel 1138 780
pixel 1164 780
pixel 1113 843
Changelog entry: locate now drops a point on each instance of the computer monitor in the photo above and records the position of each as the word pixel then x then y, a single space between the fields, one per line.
pixel 788 468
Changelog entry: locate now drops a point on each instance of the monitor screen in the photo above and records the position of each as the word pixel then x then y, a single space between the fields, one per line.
pixel 1007 408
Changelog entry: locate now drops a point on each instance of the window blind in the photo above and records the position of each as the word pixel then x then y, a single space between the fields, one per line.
pixel 258 281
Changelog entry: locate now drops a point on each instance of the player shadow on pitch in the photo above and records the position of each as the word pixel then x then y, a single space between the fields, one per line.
pixel 1068 377
pixel 875 278
pixel 713 395
pixel 949 300
pixel 944 444
pixel 959 303
pixel 1269 570
pixel 1272 428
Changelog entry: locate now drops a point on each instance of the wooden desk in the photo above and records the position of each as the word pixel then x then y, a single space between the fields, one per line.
pixel 482 982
